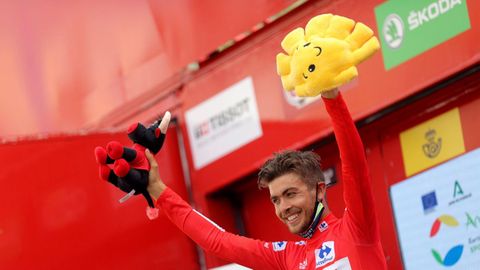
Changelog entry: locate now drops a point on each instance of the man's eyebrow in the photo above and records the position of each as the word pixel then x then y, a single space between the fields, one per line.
pixel 288 190
pixel 284 192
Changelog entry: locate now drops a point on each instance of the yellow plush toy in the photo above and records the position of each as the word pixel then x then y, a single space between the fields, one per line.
pixel 324 56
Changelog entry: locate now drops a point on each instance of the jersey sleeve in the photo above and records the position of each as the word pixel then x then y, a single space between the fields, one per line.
pixel 212 238
pixel 357 193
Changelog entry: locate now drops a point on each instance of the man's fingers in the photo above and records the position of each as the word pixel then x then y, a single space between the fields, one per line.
pixel 164 123
pixel 155 184
pixel 151 158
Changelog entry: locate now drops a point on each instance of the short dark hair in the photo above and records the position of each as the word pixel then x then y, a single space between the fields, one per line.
pixel 305 164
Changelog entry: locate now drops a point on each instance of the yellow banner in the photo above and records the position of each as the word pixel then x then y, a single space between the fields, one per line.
pixel 432 142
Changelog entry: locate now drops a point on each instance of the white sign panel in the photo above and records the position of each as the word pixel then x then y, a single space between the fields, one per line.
pixel 437 214
pixel 231 267
pixel 223 123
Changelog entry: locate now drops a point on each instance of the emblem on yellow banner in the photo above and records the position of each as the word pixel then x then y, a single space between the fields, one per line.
pixel 432 142
pixel 433 146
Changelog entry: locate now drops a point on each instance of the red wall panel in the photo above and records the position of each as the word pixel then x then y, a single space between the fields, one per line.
pixel 57 213
pixel 64 64
pixel 184 25
pixel 463 94
pixel 67 65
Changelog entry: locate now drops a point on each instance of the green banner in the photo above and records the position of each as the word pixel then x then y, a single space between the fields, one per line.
pixel 408 28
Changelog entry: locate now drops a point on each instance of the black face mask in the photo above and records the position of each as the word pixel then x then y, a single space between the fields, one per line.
pixel 315 219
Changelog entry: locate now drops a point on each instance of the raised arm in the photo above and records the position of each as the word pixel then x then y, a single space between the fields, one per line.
pixel 209 236
pixel 357 192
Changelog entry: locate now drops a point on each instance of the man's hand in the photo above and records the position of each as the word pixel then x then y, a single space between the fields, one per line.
pixel 155 184
pixel 331 94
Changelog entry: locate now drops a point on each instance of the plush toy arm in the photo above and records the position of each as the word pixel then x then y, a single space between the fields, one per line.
pixel 362 42
pixel 329 25
pixel 151 137
pixel 291 41
pixel 367 50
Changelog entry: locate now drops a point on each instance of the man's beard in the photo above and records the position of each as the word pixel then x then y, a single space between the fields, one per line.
pixel 310 226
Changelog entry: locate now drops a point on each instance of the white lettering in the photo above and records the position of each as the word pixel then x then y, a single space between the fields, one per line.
pixel 433 10
pixel 444 5
pixel 418 17
pixel 475 248
pixel 342 264
pixel 455 2
pixel 412 20
pixel 422 16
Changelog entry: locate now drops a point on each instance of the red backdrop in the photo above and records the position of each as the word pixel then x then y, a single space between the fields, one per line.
pixel 57 213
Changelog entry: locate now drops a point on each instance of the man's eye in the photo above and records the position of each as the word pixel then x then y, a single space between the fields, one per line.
pixel 274 201
pixel 291 194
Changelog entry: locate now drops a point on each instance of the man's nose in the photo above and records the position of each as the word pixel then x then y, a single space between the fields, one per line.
pixel 284 207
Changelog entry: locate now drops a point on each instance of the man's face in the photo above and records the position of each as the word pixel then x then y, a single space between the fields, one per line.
pixel 293 200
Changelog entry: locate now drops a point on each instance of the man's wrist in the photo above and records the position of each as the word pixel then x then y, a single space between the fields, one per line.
pixel 330 94
pixel 156 189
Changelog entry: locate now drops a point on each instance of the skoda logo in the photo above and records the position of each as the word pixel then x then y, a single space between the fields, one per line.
pixel 393 30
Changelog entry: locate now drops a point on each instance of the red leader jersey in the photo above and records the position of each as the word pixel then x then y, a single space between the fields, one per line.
pixel 350 242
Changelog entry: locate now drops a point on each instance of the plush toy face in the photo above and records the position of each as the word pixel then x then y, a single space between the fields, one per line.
pixel 316 63
pixel 324 55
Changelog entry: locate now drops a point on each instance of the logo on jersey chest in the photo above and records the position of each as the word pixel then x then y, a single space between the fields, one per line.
pixel 303 265
pixel 279 246
pixel 325 254
pixel 323 226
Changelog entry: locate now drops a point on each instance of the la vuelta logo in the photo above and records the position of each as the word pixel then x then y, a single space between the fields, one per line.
pixel 454 253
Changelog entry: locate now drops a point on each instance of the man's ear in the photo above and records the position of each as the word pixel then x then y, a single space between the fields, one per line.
pixel 321 189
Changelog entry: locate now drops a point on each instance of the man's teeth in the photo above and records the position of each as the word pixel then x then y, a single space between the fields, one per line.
pixel 292 217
